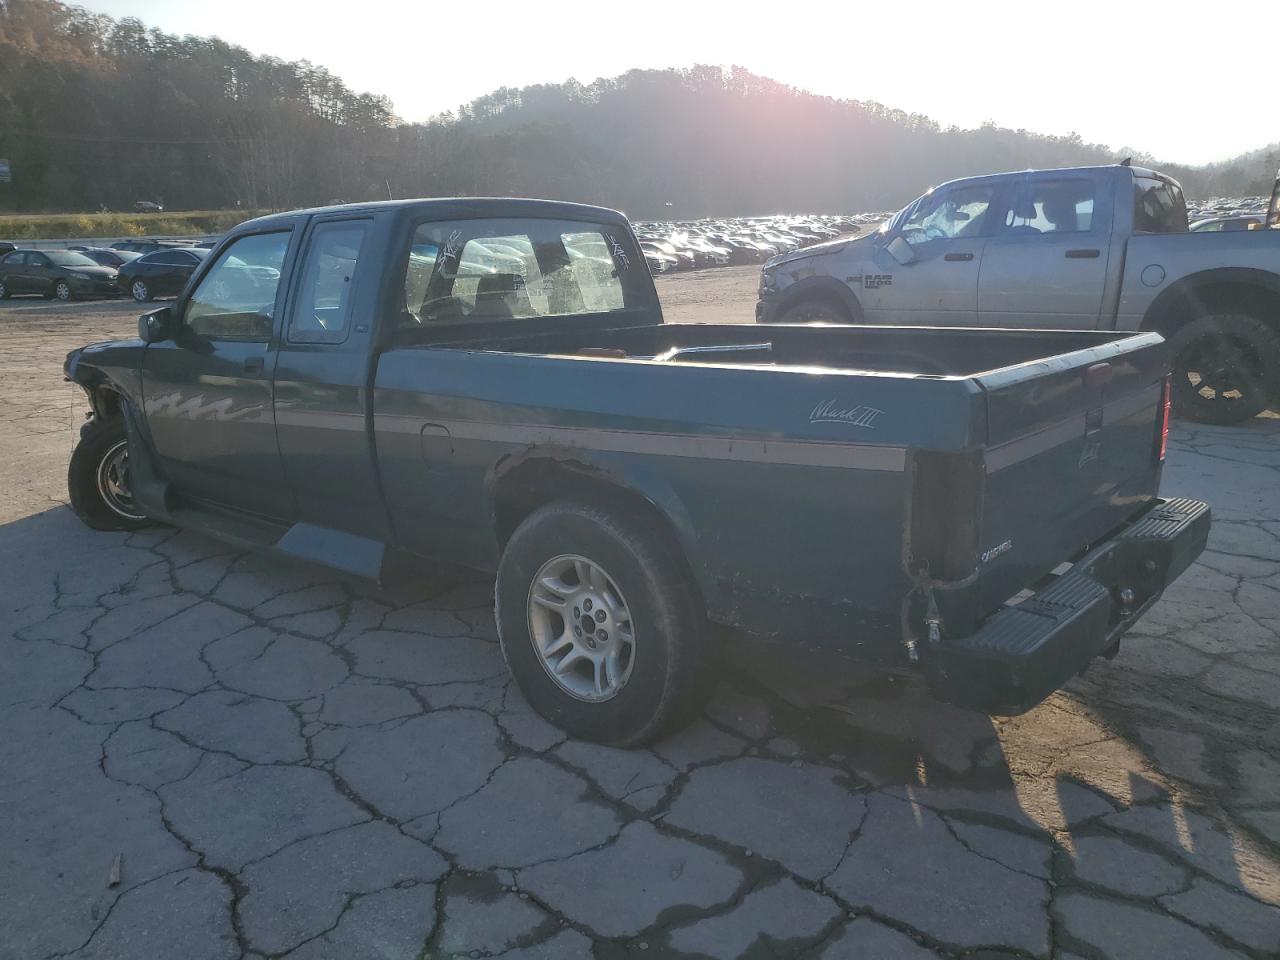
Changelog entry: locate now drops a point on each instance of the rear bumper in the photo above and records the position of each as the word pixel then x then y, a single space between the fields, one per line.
pixel 1023 653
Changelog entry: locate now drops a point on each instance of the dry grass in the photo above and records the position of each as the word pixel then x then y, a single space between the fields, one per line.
pixel 41 226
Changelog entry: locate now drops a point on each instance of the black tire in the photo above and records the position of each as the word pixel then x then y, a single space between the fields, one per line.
pixel 96 475
pixel 140 292
pixel 62 291
pixel 5 292
pixel 1225 367
pixel 663 685
pixel 815 310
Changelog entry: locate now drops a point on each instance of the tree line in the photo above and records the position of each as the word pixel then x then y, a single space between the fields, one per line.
pixel 97 113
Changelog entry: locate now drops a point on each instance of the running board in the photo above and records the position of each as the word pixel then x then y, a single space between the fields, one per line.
pixel 335 549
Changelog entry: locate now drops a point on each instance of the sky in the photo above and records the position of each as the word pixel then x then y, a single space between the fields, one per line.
pixel 1185 83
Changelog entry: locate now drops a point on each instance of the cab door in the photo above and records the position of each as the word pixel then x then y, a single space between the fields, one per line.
pixel 1047 265
pixel 321 379
pixel 946 237
pixel 208 391
pixel 15 273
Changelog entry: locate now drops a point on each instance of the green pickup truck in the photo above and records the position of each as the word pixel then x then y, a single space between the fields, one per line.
pixel 491 383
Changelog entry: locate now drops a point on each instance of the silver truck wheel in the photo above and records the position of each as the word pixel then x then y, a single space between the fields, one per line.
pixel 581 628
pixel 1225 368
pixel 600 622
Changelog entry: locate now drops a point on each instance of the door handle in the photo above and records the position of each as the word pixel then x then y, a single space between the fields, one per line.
pixel 958 256
pixel 253 365
pixel 1083 254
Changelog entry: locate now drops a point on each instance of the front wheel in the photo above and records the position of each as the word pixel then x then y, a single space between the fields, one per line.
pixel 1225 367
pixel 600 623
pixel 815 310
pixel 98 478
pixel 141 292
pixel 62 290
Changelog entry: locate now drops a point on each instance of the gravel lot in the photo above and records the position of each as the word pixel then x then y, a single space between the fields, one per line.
pixel 210 755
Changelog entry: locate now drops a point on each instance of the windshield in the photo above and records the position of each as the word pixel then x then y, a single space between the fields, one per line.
pixel 65 258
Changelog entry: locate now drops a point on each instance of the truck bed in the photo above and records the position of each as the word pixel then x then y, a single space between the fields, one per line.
pixel 957 464
pixel 897 351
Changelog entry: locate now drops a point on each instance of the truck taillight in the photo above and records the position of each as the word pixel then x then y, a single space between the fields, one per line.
pixel 1166 401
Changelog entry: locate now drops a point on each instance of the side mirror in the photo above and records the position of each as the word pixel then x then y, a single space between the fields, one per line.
pixel 901 251
pixel 156 325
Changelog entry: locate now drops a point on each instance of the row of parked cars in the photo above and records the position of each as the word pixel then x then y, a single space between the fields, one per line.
pixel 142 269
pixel 1227 213
pixel 691 244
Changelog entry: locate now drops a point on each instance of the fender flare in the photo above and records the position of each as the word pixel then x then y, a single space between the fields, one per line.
pixel 605 470
pixel 828 288
pixel 1184 289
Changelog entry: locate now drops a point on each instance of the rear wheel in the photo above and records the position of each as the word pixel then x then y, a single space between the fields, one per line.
pixel 5 292
pixel 1226 368
pixel 600 623
pixel 98 478
pixel 140 291
pixel 815 310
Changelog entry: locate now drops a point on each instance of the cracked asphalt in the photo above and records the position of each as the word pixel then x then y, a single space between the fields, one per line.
pixel 205 754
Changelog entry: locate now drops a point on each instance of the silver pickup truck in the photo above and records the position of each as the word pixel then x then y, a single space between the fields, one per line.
pixel 1081 248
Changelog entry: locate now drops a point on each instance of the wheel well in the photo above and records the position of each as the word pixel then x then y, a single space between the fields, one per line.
pixel 106 403
pixel 1180 307
pixel 823 290
pixel 538 481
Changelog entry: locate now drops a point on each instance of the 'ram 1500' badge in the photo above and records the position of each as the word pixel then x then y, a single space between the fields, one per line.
pixel 871 281
pixel 832 411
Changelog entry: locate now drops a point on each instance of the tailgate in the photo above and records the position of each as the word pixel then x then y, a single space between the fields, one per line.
pixel 1072 453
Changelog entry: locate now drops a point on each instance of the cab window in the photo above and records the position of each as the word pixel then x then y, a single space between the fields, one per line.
pixel 322 311
pixel 1052 206
pixel 236 299
pixel 948 214
pixel 473 271
pixel 1158 207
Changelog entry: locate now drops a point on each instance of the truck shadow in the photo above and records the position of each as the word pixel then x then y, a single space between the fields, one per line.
pixel 1066 793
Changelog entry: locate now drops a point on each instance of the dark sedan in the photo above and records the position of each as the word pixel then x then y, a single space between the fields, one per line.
pixel 63 274
pixel 160 274
pixel 106 257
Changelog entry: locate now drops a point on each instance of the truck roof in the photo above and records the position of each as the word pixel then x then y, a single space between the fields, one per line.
pixel 1108 167
pixel 454 208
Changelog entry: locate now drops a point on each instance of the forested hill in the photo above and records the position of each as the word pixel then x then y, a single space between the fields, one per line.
pixel 98 113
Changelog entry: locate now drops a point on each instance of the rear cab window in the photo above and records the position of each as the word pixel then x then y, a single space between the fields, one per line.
pixel 499 269
pixel 1158 206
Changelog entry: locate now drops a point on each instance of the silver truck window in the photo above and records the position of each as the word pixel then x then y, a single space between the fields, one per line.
pixel 508 269
pixel 1158 207
pixel 322 313
pixel 1052 206
pixel 236 298
pixel 948 214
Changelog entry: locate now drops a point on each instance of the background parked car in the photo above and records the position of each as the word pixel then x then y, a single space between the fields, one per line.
pixel 1223 224
pixel 147 206
pixel 106 257
pixel 149 245
pixel 160 274
pixel 64 274
pixel 7 247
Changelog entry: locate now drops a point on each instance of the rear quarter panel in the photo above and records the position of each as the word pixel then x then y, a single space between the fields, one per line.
pixel 1156 263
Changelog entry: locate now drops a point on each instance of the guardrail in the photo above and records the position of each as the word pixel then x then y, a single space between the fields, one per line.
pixel 64 242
